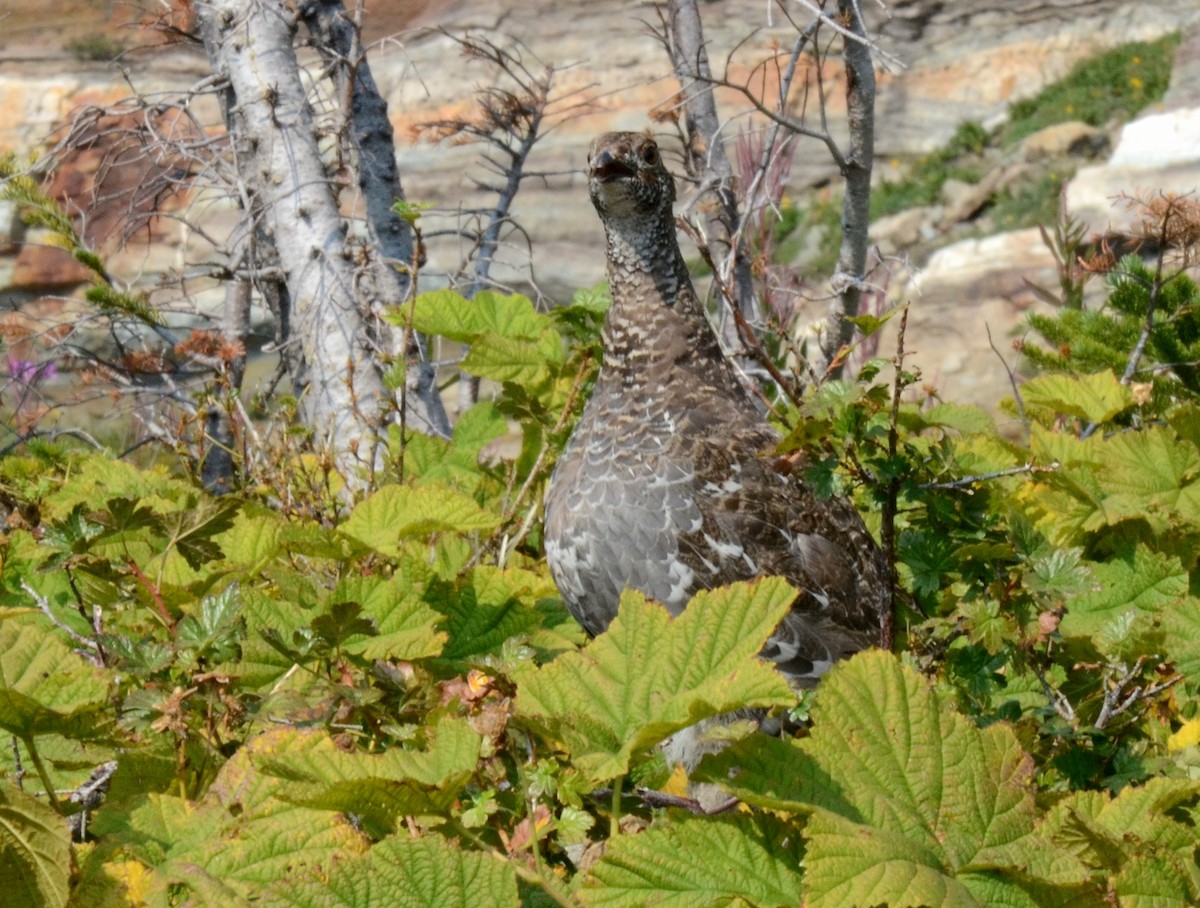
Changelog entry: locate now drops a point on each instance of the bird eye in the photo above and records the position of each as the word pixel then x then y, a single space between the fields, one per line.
pixel 650 154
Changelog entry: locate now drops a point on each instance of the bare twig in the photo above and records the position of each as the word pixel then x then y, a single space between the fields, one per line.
pixel 964 481
pixel 1012 378
pixel 90 648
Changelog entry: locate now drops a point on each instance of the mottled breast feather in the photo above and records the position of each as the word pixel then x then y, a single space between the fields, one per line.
pixel 669 484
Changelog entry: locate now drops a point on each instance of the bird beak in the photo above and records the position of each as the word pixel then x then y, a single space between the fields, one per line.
pixel 606 167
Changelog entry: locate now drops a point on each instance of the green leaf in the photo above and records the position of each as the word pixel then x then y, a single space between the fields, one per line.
pixel 694 862
pixel 487 607
pixel 405 626
pixel 1146 469
pixel 908 798
pixel 401 511
pixel 376 788
pixel 343 621
pixel 35 851
pixel 1143 582
pixel 481 424
pixel 428 872
pixel 213 631
pixel 1156 881
pixel 252 540
pixel 451 315
pixel 45 688
pixel 960 417
pixel 1092 398
pixel 649 675
pixel 513 359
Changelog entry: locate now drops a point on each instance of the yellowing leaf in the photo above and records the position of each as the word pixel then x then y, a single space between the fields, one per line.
pixel 376 788
pixel 401 511
pixel 1188 735
pixel 45 688
pixel 35 851
pixel 1092 398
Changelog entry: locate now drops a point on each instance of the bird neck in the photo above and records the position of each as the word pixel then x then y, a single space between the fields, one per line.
pixel 655 314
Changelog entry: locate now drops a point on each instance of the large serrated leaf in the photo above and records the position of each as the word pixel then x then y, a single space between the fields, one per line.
pixel 1142 583
pixel 239 838
pixel 406 627
pixel 1131 833
pixel 451 315
pixel 35 851
pixel 376 788
pixel 910 802
pixel 514 359
pixel 45 688
pixel 1146 470
pixel 487 607
pixel 649 675
pixel 1155 881
pixel 700 862
pixel 400 511
pixel 252 540
pixel 428 872
pixel 1093 398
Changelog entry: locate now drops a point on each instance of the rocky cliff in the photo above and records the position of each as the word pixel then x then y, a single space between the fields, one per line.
pixel 948 61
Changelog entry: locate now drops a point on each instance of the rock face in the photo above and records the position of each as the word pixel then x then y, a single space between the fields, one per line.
pixel 1159 151
pixel 955 60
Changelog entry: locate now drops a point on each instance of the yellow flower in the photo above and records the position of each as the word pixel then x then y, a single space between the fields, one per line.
pixel 1187 736
pixel 1135 81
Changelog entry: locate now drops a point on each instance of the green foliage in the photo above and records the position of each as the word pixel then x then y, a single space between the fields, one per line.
pixel 704 667
pixel 1120 82
pixel 922 185
pixel 95 48
pixel 35 851
pixel 383 701
pixel 1139 303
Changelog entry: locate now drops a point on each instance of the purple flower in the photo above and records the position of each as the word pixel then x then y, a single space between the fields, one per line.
pixel 28 372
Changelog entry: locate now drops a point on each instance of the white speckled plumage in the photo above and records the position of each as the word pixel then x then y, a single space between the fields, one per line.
pixel 669 484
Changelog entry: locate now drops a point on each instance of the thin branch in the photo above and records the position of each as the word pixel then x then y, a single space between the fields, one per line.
pixel 964 481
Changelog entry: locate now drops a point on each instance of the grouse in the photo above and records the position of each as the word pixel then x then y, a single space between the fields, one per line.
pixel 669 483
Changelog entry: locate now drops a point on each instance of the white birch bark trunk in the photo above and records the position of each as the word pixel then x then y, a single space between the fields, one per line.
pixel 343 394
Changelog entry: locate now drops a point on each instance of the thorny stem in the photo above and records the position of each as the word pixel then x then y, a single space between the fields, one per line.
pixel 18 766
pixel 155 595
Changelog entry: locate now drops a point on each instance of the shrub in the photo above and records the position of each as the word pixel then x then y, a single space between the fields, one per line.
pixel 386 701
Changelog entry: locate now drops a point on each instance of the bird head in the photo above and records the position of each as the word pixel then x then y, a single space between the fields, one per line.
pixel 627 177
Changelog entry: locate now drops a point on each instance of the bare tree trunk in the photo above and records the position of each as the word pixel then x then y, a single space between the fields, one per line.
pixel 279 163
pixel 708 161
pixel 337 39
pixel 856 206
